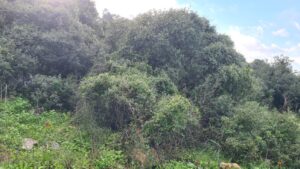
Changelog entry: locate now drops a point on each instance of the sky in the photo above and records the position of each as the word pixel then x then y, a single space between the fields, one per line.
pixel 260 29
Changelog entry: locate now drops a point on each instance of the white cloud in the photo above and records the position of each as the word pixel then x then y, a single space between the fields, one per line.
pixel 281 32
pixel 297 25
pixel 252 48
pixel 249 46
pixel 131 8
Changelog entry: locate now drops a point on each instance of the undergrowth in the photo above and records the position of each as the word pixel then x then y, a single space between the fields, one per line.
pixel 77 148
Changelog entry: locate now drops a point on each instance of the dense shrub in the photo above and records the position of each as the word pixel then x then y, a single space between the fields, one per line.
pixel 124 96
pixel 15 66
pixel 220 93
pixel 237 82
pixel 51 92
pixel 254 133
pixel 172 115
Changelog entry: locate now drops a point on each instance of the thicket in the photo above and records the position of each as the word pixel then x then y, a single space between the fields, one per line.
pixel 163 85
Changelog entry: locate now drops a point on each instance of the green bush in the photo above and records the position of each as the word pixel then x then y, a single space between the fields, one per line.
pixel 118 98
pixel 255 133
pixel 51 92
pixel 172 115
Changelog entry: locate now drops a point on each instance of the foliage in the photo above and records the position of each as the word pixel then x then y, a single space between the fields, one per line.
pixel 234 81
pixel 110 159
pixel 204 157
pixel 75 150
pixel 123 97
pixel 19 122
pixel 59 35
pixel 254 133
pixel 220 93
pixel 178 165
pixel 180 42
pixel 17 105
pixel 15 67
pixel 280 84
pixel 135 89
pixel 115 31
pixel 51 92
pixel 171 117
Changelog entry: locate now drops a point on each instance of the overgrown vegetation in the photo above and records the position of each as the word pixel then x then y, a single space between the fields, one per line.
pixel 162 90
pixel 60 143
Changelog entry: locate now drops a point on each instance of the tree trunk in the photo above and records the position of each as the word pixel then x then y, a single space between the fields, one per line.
pixel 285 103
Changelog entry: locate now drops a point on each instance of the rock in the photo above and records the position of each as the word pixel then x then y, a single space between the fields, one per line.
pixel 28 143
pixel 229 166
pixel 53 145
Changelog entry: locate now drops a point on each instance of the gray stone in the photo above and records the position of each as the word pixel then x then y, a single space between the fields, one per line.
pixel 53 145
pixel 28 143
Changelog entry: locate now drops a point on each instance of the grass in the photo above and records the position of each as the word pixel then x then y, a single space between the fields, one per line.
pixel 17 121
